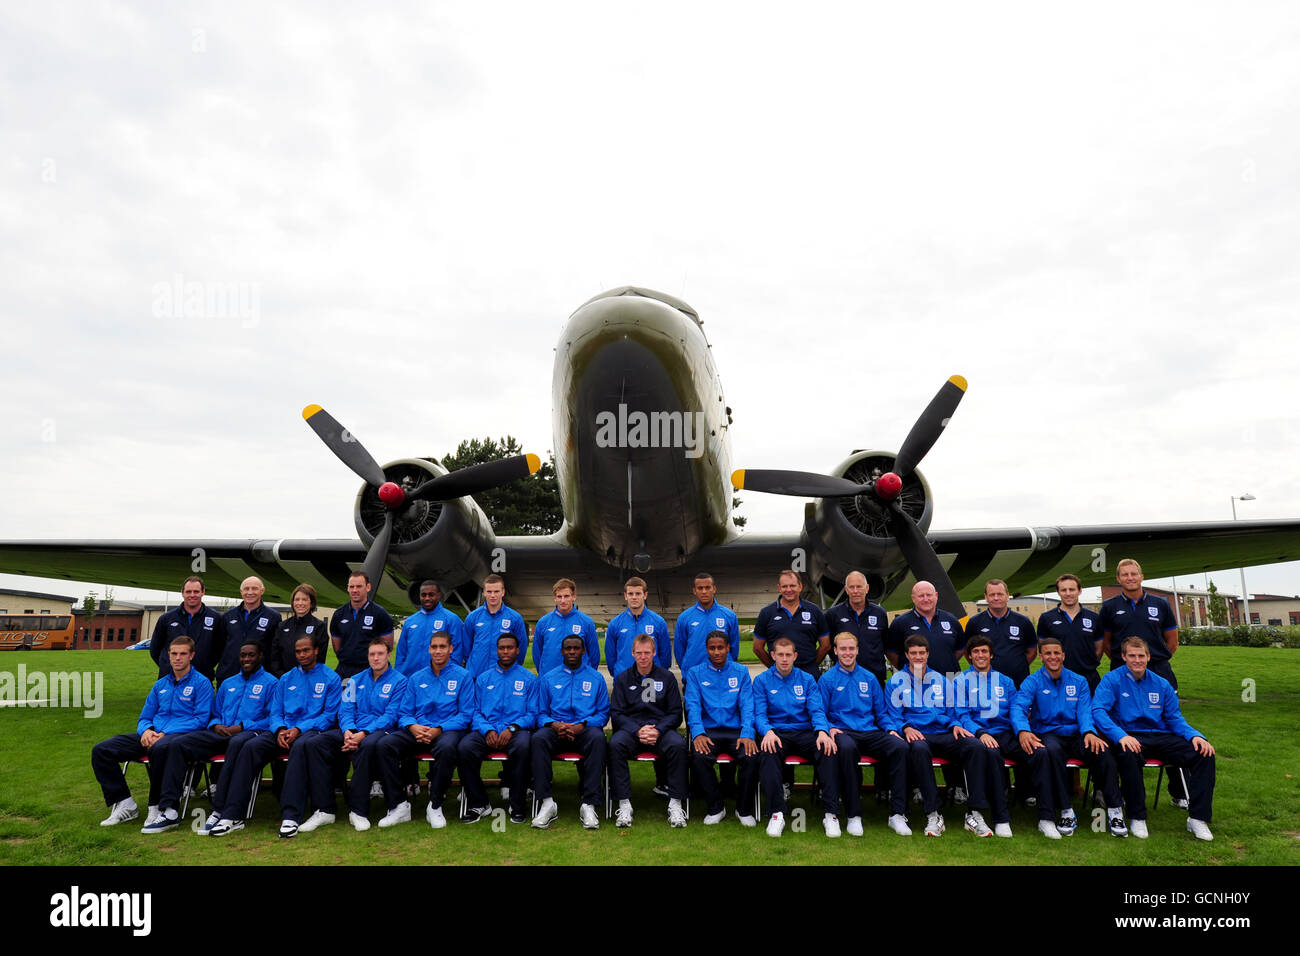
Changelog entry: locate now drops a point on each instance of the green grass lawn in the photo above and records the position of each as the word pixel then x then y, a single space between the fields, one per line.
pixel 50 806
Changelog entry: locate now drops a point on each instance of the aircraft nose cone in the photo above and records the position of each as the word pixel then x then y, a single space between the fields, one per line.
pixel 888 486
pixel 391 494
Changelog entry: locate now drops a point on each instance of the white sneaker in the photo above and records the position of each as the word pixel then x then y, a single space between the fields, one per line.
pixel 122 811
pixel 399 814
pixel 898 823
pixel 213 819
pixel 711 818
pixel 959 795
pixel 318 819
pixel 676 815
pixel 976 825
pixel 934 824
pixel 1180 803
pixel 776 825
pixel 1115 823
pixel 1138 828
pixel 435 817
pixel 161 823
pixel 853 826
pixel 1199 829
pixel 1002 830
pixel 547 812
pixel 1048 829
pixel 747 820
pixel 288 829
pixel 587 814
pixel 623 815
pixel 1067 824
pixel 831 824
pixel 226 827
pixel 359 823
pixel 152 815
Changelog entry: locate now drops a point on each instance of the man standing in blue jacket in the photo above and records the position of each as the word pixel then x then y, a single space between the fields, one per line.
pixel 487 622
pixel 505 713
pixel 636 619
pixel 790 718
pixel 573 708
pixel 435 712
pixel 367 714
pixel 251 620
pixel 241 709
pixel 699 621
pixel 921 708
pixel 983 700
pixel 720 719
pixel 431 616
pixel 196 620
pixel 177 704
pixel 647 710
pixel 1138 711
pixel 860 725
pixel 554 627
pixel 1052 715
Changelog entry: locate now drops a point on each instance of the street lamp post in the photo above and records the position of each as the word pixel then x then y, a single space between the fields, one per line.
pixel 1245 598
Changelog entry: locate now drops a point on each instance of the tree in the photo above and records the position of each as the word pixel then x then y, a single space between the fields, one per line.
pixel 89 605
pixel 528 506
pixel 1218 607
pixel 737 520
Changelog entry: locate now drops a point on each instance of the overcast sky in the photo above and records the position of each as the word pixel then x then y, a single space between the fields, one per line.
pixel 1091 213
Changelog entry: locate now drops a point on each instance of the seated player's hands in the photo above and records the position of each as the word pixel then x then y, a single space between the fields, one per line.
pixel 988 740
pixel 149 738
pixel 826 743
pixel 1203 746
pixel 1094 743
pixel 958 732
pixel 287 736
pixel 747 745
pixel 1131 744
pixel 648 734
pixel 771 742
pixel 352 740
pixel 703 744
pixel 490 738
pixel 503 738
pixel 912 735
pixel 1029 741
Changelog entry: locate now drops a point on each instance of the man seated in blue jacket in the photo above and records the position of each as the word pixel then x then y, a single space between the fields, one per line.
pixel 720 720
pixel 860 725
pixel 435 712
pixel 573 707
pixel 983 699
pixel 505 713
pixel 921 708
pixel 1138 711
pixel 367 714
pixel 177 704
pixel 790 718
pixel 1052 716
pixel 646 707
pixel 241 709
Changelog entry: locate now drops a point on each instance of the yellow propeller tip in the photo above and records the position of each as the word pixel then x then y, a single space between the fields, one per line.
pixel 533 463
pixel 738 479
pixel 311 410
pixel 959 382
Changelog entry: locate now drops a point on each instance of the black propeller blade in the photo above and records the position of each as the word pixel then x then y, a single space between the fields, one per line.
pixel 800 484
pixel 377 556
pixel 921 559
pixel 475 478
pixel 929 426
pixel 345 447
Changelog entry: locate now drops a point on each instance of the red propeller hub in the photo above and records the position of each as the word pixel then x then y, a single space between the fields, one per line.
pixel 391 494
pixel 888 486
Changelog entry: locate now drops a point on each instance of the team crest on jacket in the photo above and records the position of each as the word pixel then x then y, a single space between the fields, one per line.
pixel 586 686
pixel 649 628
pixel 659 687
pixel 257 689
pixel 577 629
pixel 798 690
pixel 320 687
pixel 437 625
pixel 451 685
pixel 505 624
pixel 946 625
pixel 1014 630
pixel 871 619
pixel 1000 691
pixel 733 681
pixel 370 619
pixel 188 691
pixel 1153 612
pixel 310 628
pixel 386 688
pixel 1070 690
pixel 261 621
pixel 863 687
pixel 720 623
pixel 1154 697
pixel 207 622
pixel 807 616
pixel 1087 624
pixel 519 685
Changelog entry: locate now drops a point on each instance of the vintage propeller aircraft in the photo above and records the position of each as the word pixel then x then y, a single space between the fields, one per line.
pixel 642 455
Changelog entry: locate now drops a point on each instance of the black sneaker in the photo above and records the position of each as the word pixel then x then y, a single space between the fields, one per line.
pixel 475 814
pixel 518 816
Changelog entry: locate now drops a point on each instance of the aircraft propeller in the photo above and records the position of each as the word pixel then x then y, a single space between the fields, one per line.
pixel 456 484
pixel 921 559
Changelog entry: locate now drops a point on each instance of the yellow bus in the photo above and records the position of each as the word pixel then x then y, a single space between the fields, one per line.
pixel 36 632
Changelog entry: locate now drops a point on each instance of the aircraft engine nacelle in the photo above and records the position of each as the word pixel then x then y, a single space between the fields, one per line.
pixel 449 541
pixel 850 534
